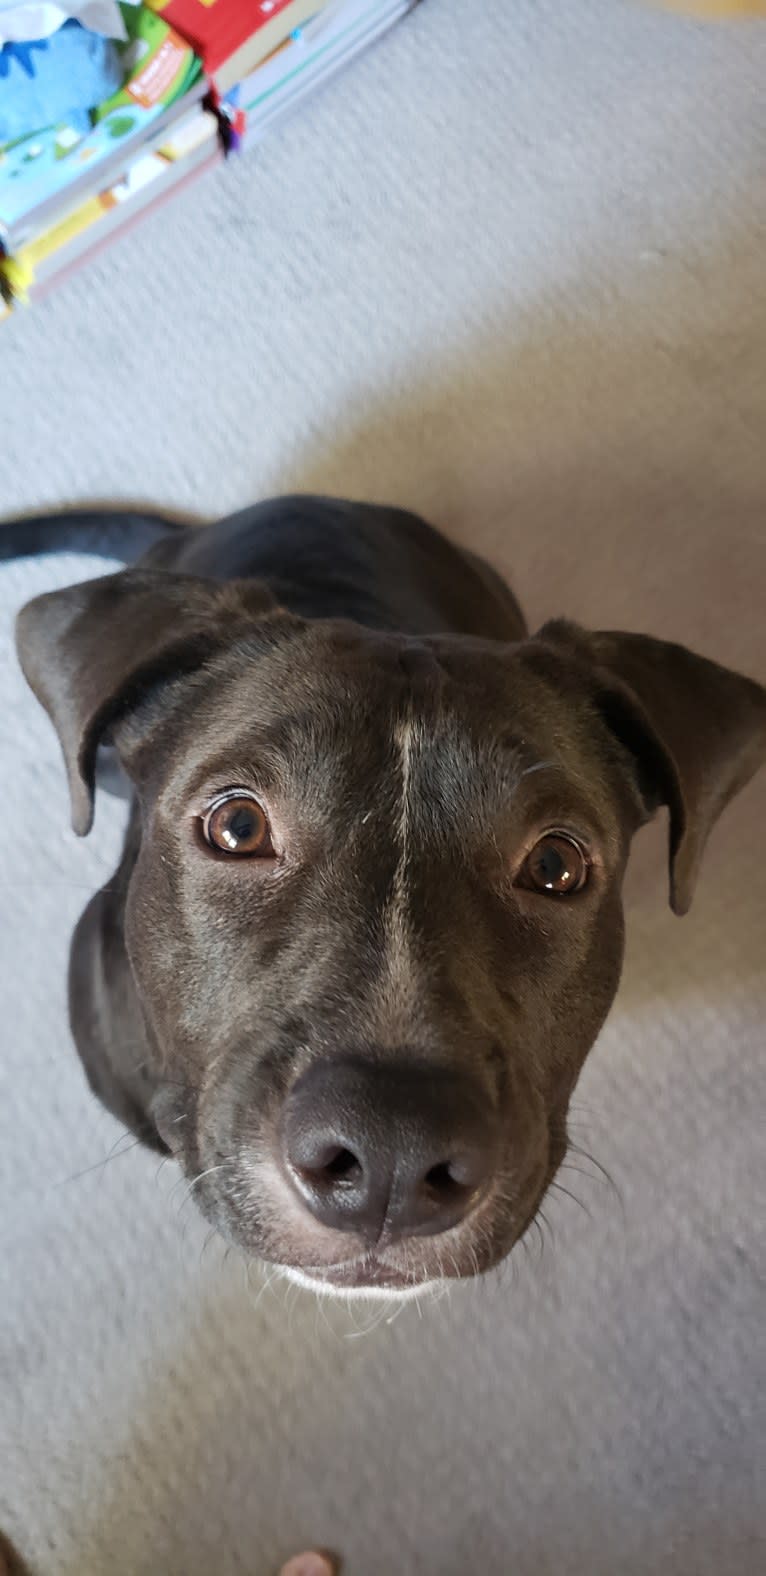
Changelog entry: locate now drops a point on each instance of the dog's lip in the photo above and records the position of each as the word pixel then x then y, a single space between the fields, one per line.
pixel 373 1270
pixel 356 1274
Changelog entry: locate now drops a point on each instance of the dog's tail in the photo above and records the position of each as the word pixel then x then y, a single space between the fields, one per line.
pixel 122 534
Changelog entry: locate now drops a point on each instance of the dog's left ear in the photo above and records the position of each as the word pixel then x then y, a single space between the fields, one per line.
pixel 696 732
pixel 93 652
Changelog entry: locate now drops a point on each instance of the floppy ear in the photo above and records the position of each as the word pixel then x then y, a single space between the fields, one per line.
pixel 92 651
pixel 696 732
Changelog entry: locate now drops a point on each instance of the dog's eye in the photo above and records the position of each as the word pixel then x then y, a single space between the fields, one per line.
pixel 556 866
pixel 236 824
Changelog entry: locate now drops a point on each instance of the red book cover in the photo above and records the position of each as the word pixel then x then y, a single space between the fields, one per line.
pixel 216 28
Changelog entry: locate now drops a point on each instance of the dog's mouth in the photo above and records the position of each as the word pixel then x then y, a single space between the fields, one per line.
pixel 404 1270
pixel 249 1201
pixel 385 1272
pixel 368 1276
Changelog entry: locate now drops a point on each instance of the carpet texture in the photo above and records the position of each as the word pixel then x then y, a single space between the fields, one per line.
pixel 511 271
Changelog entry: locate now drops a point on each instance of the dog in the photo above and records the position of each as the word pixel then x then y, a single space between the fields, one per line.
pixel 367 923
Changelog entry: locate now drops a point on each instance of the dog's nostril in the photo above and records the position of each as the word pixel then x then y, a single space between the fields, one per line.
pixel 326 1163
pixel 342 1167
pixel 441 1178
pixel 398 1151
pixel 450 1178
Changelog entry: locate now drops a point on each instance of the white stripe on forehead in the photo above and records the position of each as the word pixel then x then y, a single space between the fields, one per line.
pixel 397 920
pixel 404 738
pixel 397 985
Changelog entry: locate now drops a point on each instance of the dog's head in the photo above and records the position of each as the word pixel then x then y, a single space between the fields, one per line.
pixel 375 916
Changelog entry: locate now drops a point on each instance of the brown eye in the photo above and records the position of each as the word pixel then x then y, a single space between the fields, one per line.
pixel 238 825
pixel 556 866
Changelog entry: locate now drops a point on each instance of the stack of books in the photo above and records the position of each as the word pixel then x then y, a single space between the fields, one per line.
pixel 202 77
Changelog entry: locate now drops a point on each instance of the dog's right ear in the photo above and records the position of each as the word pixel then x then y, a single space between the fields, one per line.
pixel 696 732
pixel 93 651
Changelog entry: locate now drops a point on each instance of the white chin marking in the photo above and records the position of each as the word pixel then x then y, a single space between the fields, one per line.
pixel 323 1288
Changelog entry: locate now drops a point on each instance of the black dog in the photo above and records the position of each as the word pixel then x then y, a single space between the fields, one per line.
pixel 367 923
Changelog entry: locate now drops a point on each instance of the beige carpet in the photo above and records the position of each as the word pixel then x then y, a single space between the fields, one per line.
pixel 511 270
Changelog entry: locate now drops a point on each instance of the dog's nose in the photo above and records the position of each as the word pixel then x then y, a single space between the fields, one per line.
pixel 382 1150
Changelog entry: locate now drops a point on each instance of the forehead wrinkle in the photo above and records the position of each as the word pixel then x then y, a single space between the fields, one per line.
pixel 459 782
pixel 289 752
pixel 455 776
pixel 581 792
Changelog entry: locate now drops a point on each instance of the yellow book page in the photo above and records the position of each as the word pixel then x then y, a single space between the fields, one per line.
pixel 50 241
pixel 19 271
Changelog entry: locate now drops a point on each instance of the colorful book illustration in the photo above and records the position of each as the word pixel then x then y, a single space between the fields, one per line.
pixel 47 172
pixel 182 141
pixel 151 181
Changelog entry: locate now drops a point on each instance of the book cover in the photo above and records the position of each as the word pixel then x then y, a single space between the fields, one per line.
pixel 50 169
pixel 220 29
pixel 157 168
pixel 327 36
pixel 311 57
pixel 265 43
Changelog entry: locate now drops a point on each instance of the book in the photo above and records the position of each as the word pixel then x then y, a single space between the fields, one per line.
pixel 157 171
pixel 231 37
pixel 176 154
pixel 311 56
pixel 52 170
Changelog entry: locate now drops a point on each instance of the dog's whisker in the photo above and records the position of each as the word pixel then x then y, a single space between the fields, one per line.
pixel 545 1221
pixel 539 766
pixel 378 1316
pixel 579 1171
pixel 558 1187
pixel 98 1165
pixel 540 1240
pixel 603 1174
pixel 398 1310
pixel 195 1181
pixel 206 1244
